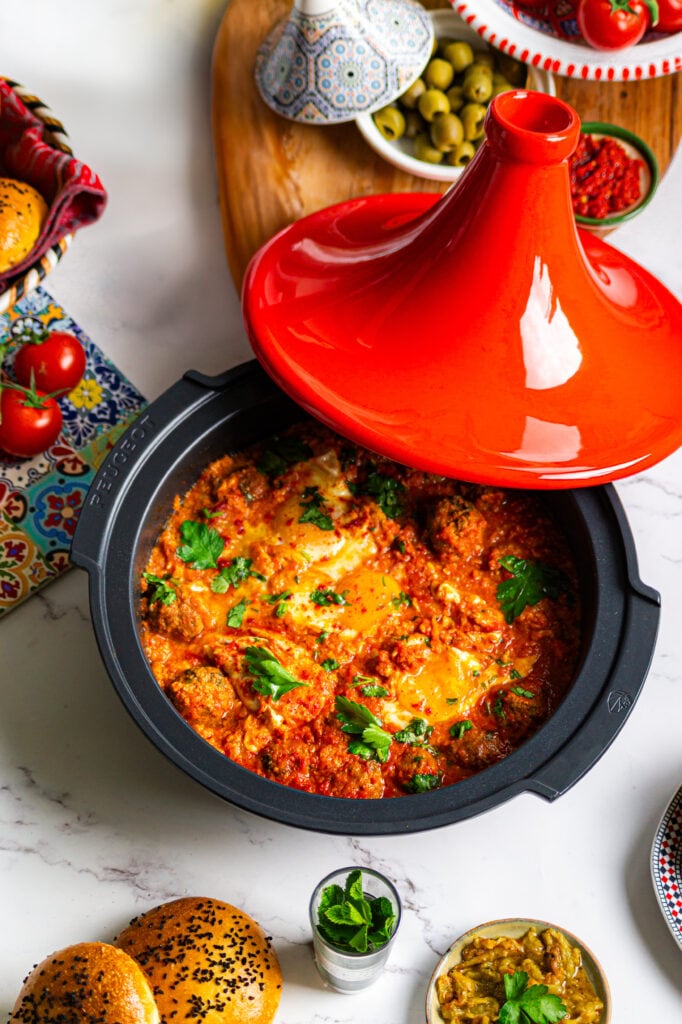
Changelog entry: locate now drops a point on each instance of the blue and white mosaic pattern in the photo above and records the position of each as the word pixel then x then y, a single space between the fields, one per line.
pixel 353 59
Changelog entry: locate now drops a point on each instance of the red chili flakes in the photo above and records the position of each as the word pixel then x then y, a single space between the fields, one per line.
pixel 604 179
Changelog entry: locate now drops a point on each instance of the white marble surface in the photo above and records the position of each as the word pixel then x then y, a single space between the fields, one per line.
pixel 95 825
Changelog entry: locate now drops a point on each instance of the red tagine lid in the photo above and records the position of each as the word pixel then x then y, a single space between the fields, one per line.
pixel 478 334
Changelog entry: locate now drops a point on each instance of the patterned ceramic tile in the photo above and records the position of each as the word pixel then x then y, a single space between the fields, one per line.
pixel 666 866
pixel 41 497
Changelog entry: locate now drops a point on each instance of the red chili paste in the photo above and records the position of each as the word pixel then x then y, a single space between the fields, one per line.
pixel 604 179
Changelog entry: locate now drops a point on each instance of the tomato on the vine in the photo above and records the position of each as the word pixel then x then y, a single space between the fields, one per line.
pixel 29 421
pixel 53 361
pixel 615 24
pixel 669 16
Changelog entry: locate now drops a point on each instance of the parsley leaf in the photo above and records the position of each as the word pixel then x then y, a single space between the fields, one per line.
pixel 529 583
pixel 281 453
pixel 238 571
pixel 280 600
pixel 415 733
pixel 312 504
pixel 520 692
pixel 202 545
pixel 160 589
pixel 357 720
pixel 324 597
pixel 401 599
pixel 235 616
pixel 330 664
pixel 353 921
pixel 535 1004
pixel 459 728
pixel 423 782
pixel 386 491
pixel 374 690
pixel 269 677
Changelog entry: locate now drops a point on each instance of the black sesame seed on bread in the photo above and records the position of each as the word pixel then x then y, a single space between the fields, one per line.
pixel 88 983
pixel 206 961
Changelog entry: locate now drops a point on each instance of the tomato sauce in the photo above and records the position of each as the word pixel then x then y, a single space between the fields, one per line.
pixel 347 626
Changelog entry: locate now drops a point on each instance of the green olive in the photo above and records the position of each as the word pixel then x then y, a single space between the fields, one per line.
pixel 478 84
pixel 501 85
pixel 455 95
pixel 446 132
pixel 513 70
pixel 414 124
pixel 424 150
pixel 439 74
pixel 459 53
pixel 433 102
pixel 391 122
pixel 462 154
pixel 472 116
pixel 411 95
pixel 485 58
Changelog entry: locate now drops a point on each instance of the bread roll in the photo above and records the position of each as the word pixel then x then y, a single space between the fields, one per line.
pixel 89 983
pixel 207 961
pixel 22 214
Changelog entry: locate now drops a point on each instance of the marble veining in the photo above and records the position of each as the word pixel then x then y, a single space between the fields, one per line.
pixel 95 825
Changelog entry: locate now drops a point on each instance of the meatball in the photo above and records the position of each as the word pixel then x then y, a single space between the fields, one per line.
pixel 478 748
pixel 454 527
pixel 180 620
pixel 205 698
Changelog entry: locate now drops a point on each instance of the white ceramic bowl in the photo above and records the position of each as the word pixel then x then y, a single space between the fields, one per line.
pixel 514 927
pixel 446 23
pixel 533 40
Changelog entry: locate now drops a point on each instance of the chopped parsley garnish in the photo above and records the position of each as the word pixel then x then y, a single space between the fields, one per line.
pixel 373 690
pixel 238 571
pixel 352 921
pixel 386 491
pixel 280 601
pixel 422 782
pixel 211 515
pixel 312 504
pixel 399 545
pixel 524 1004
pixel 330 664
pixel 416 733
pixel 515 674
pixel 159 589
pixel 452 700
pixel 268 676
pixel 235 616
pixel 529 583
pixel 358 720
pixel 520 692
pixel 401 599
pixel 498 706
pixel 202 545
pixel 281 453
pixel 322 637
pixel 324 597
pixel 459 728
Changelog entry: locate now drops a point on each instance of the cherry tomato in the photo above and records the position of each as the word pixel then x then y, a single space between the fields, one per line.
pixel 669 16
pixel 29 421
pixel 56 359
pixel 613 24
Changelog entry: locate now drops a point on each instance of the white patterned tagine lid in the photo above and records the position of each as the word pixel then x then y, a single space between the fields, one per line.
pixel 331 60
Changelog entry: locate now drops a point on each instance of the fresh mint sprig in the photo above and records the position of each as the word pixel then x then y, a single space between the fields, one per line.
pixel 353 922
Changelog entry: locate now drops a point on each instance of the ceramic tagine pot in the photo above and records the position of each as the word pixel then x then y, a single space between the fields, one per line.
pixel 478 334
pixel 331 60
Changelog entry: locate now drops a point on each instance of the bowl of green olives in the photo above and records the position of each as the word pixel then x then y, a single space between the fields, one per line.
pixel 435 127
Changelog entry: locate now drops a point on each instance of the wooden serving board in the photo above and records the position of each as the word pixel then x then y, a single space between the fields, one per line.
pixel 272 171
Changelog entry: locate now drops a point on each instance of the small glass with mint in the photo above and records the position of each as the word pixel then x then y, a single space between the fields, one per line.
pixel 354 915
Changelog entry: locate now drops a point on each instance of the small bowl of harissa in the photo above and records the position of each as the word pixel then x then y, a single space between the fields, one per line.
pixel 518 969
pixel 614 176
